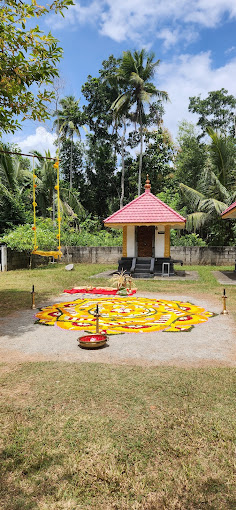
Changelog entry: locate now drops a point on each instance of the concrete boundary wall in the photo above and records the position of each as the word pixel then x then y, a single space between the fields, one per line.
pixel 92 255
pixel 190 255
pixel 204 255
pixel 22 260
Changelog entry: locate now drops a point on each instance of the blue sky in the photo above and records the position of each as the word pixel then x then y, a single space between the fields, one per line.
pixel 194 39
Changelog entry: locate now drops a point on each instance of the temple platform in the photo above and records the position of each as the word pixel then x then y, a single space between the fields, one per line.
pixel 148 267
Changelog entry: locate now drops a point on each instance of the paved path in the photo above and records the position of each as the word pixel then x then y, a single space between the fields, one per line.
pixel 225 277
pixel 179 276
pixel 211 343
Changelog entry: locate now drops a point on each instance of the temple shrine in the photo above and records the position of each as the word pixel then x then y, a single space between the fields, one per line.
pixel 146 224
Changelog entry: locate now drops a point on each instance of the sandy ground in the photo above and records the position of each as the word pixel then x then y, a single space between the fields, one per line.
pixel 211 343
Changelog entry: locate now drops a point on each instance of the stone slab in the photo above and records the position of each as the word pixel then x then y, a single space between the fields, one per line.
pixel 180 275
pixel 225 277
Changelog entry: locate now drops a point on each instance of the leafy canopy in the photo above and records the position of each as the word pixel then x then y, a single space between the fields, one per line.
pixel 216 110
pixel 28 57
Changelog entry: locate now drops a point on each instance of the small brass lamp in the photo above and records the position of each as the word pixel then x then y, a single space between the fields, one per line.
pixel 224 297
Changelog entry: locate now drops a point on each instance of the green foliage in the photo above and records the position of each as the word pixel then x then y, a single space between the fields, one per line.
pixel 100 188
pixel 191 155
pixel 78 151
pixel 172 198
pixel 28 58
pixel 100 92
pixel 205 218
pixel 216 110
pixel 69 118
pixel 223 156
pixel 85 238
pixel 207 175
pixel 158 159
pixel 99 192
pixel 14 179
pixel 134 73
pixel 12 210
pixel 21 238
pixel 178 239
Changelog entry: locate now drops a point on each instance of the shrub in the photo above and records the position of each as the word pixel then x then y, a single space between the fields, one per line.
pixel 21 238
pixel 186 240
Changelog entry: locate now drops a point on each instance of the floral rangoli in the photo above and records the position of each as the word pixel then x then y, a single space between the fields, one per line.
pixel 123 315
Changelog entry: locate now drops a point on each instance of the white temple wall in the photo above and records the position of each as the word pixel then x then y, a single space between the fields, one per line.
pixel 130 241
pixel 159 241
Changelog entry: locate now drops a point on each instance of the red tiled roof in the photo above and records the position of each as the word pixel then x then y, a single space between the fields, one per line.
pixel 232 206
pixel 145 209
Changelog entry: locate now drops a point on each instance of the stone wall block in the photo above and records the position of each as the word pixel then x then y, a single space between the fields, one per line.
pixel 190 255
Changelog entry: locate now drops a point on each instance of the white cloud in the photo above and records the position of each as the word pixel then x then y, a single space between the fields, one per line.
pixel 210 12
pixel 40 141
pixel 191 75
pixel 172 37
pixel 127 19
pixel 230 50
pixel 78 14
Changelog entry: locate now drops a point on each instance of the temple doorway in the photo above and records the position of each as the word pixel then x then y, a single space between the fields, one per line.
pixel 145 241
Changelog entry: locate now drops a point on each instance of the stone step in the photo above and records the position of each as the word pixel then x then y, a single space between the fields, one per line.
pixel 142 266
pixel 143 260
pixel 142 270
pixel 143 275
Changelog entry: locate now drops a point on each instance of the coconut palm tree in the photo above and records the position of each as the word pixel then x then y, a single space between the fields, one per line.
pixel 46 181
pixel 13 175
pixel 68 121
pixel 223 156
pixel 134 74
pixel 14 179
pixel 216 185
pixel 206 205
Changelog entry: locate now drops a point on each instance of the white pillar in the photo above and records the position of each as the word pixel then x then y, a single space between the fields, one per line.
pixel 159 241
pixel 130 241
pixel 3 257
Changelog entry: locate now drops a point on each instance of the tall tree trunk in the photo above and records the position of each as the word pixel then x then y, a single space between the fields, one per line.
pixel 140 156
pixel 123 165
pixel 71 158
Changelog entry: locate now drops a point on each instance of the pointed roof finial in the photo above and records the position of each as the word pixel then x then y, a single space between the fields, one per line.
pixel 147 185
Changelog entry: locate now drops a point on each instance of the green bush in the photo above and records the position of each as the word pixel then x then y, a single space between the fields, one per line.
pixel 186 240
pixel 22 237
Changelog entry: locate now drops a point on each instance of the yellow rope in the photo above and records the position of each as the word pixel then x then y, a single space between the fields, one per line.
pixel 57 188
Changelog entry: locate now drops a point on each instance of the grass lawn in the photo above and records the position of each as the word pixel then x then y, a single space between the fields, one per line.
pixel 15 286
pixel 92 436
pixel 81 436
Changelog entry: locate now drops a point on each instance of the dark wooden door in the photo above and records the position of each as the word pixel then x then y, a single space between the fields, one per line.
pixel 145 240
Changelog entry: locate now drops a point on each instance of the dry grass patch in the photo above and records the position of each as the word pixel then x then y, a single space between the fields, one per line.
pixel 95 436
